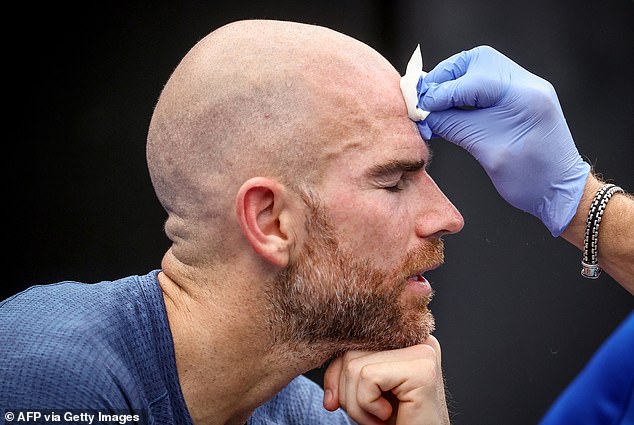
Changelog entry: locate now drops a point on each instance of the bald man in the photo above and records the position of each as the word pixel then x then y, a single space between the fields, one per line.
pixel 302 222
pixel 292 178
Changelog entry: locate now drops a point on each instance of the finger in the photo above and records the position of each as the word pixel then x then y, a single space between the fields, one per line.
pixel 435 344
pixel 342 375
pixel 367 357
pixel 365 403
pixel 461 64
pixel 331 384
pixel 417 384
pixel 353 362
pixel 450 69
pixel 424 130
pixel 370 397
pixel 337 378
pixel 471 90
pixel 348 371
pixel 456 126
pixel 401 377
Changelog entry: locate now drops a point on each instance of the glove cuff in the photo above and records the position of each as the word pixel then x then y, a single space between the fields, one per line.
pixel 562 205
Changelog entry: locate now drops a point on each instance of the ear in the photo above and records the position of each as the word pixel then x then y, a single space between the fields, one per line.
pixel 264 212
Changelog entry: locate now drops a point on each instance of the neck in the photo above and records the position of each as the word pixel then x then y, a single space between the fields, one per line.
pixel 226 361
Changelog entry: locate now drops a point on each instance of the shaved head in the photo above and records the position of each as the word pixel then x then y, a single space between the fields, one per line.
pixel 257 98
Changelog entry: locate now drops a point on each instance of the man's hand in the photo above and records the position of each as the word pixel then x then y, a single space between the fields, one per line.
pixel 402 387
pixel 517 131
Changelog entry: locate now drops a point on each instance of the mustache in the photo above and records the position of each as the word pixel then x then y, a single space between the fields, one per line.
pixel 429 254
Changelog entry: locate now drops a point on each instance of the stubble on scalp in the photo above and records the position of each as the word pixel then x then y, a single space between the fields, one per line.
pixel 257 98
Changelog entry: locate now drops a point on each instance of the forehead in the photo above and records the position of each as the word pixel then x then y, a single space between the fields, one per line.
pixel 379 143
pixel 351 186
pixel 364 121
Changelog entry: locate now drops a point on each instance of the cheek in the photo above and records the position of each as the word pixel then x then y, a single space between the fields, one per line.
pixel 373 229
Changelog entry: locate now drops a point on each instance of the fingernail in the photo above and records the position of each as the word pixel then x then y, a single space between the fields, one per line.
pixel 327 396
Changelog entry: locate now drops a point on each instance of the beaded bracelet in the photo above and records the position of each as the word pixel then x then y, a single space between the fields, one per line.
pixel 590 262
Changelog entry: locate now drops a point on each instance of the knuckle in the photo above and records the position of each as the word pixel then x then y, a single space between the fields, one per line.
pixel 486 49
pixel 366 372
pixel 541 95
pixel 427 365
pixel 424 351
pixel 429 372
pixel 433 342
pixel 353 367
pixel 497 162
pixel 349 356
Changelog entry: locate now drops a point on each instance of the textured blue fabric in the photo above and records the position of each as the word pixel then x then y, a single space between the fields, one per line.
pixel 107 346
pixel 299 403
pixel 603 393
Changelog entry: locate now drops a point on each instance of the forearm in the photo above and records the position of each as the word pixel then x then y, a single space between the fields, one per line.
pixel 616 233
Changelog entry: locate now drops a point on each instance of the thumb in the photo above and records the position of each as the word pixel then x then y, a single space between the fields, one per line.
pixel 331 384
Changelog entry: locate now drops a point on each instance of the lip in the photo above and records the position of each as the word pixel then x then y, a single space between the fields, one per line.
pixel 417 283
pixel 422 272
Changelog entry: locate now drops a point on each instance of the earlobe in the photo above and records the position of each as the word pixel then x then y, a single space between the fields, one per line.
pixel 261 210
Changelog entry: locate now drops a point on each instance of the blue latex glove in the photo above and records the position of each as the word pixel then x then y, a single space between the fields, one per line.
pixel 518 132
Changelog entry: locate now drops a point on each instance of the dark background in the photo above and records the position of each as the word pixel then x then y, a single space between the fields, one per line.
pixel 515 319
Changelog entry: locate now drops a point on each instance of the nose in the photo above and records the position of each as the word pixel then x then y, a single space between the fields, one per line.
pixel 435 214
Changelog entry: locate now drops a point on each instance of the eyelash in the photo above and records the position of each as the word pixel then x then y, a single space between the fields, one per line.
pixel 398 187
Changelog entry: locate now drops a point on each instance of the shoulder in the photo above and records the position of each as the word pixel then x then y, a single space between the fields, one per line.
pixel 63 347
pixel 57 373
pixel 299 403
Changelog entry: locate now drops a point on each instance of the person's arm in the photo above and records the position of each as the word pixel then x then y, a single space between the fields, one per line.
pixel 514 126
pixel 616 233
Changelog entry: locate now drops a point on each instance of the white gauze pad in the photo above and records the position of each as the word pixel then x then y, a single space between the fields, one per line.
pixel 409 81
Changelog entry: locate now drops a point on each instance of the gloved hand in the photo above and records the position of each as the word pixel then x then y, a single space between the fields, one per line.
pixel 517 132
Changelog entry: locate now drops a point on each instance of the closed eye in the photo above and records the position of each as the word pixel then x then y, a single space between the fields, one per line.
pixel 392 167
pixel 398 186
pixel 394 176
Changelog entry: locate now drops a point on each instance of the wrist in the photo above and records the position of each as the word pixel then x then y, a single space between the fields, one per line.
pixel 590 262
pixel 575 231
pixel 564 193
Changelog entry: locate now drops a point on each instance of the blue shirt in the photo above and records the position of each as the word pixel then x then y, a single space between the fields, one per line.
pixel 603 393
pixel 107 347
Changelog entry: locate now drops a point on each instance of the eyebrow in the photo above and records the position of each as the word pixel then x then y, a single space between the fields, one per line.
pixel 397 165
